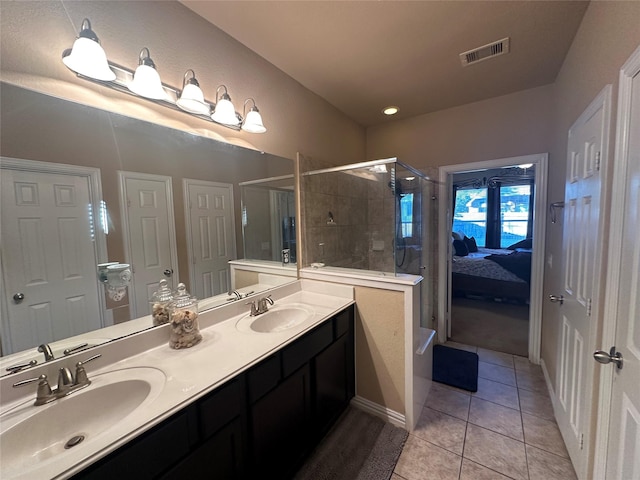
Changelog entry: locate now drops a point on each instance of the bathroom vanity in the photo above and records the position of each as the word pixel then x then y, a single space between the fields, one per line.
pixel 250 401
pixel 260 424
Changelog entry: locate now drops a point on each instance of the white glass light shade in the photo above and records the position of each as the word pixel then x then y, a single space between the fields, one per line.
pixel 253 122
pixel 192 100
pixel 146 83
pixel 88 58
pixel 225 112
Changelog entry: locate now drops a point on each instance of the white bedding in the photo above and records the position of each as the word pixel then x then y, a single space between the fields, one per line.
pixel 475 264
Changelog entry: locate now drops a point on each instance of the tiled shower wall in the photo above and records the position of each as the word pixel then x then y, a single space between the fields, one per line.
pixel 363 210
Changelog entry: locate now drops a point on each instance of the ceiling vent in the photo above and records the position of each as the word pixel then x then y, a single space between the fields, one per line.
pixel 483 53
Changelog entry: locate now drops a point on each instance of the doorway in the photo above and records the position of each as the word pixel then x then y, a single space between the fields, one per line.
pixel 511 200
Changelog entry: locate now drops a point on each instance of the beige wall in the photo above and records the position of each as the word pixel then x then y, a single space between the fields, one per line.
pixel 609 33
pixel 33 36
pixel 380 335
pixel 507 126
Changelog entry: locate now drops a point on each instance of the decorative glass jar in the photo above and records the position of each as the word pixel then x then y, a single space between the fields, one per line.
pixel 160 301
pixel 185 332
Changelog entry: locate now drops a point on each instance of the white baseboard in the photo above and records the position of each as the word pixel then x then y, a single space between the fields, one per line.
pixel 384 413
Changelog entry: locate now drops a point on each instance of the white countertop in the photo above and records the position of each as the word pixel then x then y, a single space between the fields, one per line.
pixel 190 373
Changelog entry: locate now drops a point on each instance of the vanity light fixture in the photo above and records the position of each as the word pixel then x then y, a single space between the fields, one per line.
pixel 224 112
pixel 252 120
pixel 146 81
pixel 89 61
pixel 390 110
pixel 87 57
pixel 192 99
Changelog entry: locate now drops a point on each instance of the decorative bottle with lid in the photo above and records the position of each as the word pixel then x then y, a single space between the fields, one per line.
pixel 160 301
pixel 184 320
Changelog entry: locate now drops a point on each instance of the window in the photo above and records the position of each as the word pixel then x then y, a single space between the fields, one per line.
pixel 406 215
pixel 470 214
pixel 496 217
pixel 514 213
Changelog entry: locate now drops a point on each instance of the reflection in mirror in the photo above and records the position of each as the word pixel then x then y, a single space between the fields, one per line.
pixel 83 187
pixel 268 219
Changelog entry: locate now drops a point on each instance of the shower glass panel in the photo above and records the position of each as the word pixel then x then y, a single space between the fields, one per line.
pixel 367 216
pixel 375 218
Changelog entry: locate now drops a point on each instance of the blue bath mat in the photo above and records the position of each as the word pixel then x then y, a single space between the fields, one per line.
pixel 454 367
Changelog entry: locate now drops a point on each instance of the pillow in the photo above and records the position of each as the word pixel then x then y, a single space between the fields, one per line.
pixel 526 243
pixel 457 236
pixel 460 248
pixel 471 244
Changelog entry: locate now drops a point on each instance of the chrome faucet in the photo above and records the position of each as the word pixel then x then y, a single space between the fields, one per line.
pixel 237 294
pixel 48 354
pixel 263 304
pixel 67 383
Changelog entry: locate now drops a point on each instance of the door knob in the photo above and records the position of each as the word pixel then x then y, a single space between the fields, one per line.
pixel 611 357
pixel 168 272
pixel 556 299
pixel 18 297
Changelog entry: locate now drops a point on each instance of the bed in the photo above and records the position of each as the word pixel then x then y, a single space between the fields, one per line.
pixel 492 273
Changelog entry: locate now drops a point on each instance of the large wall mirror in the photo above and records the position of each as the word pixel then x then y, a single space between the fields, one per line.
pixel 165 201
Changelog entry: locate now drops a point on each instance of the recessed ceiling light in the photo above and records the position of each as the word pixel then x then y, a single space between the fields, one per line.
pixel 391 110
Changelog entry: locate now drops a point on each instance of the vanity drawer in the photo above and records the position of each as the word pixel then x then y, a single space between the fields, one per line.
pixel 343 322
pixel 220 407
pixel 304 349
pixel 264 377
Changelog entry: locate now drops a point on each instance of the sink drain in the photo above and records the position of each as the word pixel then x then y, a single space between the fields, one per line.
pixel 73 441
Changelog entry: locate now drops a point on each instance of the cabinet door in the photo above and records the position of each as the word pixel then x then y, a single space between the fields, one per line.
pixel 221 457
pixel 331 381
pixel 280 426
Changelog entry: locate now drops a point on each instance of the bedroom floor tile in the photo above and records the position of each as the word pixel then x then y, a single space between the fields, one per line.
pixel 500 432
pixel 462 346
pixel 535 403
pixel 449 401
pixel 496 418
pixel 496 392
pixel 441 429
pixel 497 452
pixel 531 380
pixel 543 434
pixel 496 358
pixel 475 471
pixel 547 466
pixel 420 460
pixel 497 373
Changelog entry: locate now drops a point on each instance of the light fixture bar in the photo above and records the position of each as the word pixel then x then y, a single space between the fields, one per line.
pixel 124 77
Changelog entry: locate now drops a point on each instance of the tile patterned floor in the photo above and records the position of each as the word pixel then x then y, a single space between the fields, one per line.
pixel 505 430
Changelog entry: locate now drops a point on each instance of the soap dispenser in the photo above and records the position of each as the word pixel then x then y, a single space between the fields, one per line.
pixel 160 301
pixel 185 332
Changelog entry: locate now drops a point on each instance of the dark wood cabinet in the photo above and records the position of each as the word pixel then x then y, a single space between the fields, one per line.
pixel 261 424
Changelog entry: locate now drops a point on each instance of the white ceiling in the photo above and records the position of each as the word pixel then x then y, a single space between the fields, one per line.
pixel 361 56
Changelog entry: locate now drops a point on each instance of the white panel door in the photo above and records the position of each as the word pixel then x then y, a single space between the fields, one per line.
pixel 623 452
pixel 211 236
pixel 48 257
pixel 581 256
pixel 150 237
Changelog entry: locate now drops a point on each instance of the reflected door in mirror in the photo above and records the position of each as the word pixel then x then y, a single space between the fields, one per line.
pixel 150 236
pixel 211 236
pixel 49 259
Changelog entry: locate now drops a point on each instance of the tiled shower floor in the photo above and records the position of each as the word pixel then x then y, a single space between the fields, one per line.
pixel 505 430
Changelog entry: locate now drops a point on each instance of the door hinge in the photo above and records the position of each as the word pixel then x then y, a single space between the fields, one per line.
pixel 128 202
pixel 588 307
pixel 581 441
pixel 597 161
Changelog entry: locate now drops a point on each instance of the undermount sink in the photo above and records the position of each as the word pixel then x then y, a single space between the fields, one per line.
pixel 277 319
pixel 33 437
